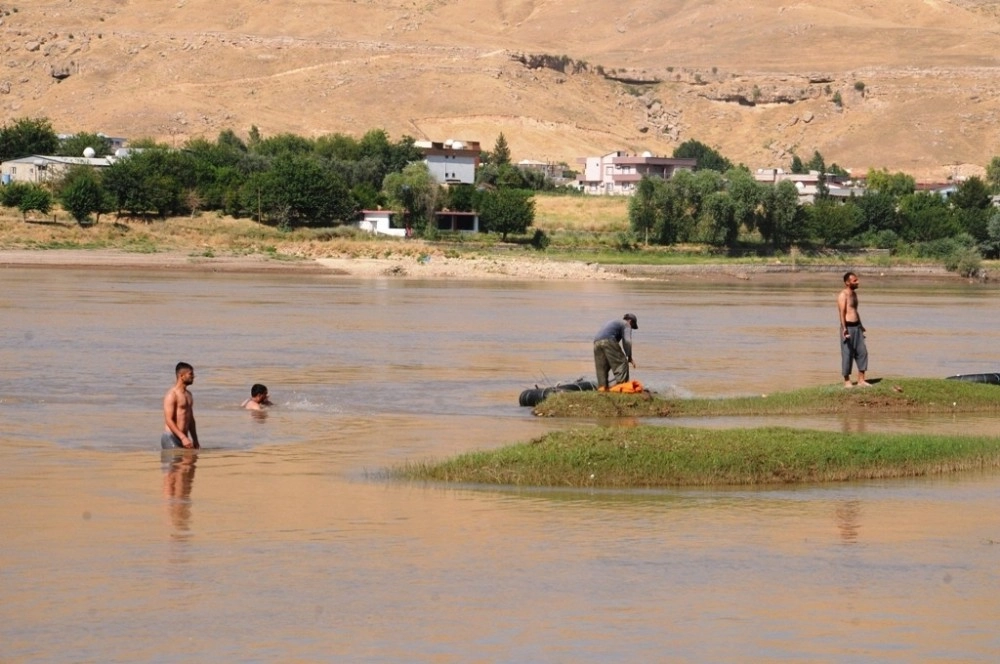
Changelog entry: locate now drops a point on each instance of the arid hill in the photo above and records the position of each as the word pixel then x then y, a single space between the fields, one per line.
pixel 908 85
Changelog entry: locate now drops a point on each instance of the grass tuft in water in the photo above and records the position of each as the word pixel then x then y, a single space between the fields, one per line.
pixel 652 456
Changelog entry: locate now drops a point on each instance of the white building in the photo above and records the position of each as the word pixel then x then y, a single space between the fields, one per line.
pixel 41 168
pixel 451 162
pixel 386 222
pixel 618 173
pixel 808 184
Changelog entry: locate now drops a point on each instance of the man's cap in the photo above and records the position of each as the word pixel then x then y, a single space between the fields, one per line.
pixel 632 320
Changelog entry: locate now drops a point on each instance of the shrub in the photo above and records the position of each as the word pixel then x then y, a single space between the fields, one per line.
pixel 540 240
pixel 965 261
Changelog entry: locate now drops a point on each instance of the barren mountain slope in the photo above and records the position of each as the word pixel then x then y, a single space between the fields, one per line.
pixel 917 80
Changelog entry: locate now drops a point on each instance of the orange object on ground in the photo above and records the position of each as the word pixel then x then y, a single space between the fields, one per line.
pixel 628 387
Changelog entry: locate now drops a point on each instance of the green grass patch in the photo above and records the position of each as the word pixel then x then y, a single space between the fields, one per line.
pixel 889 396
pixel 651 456
pixel 663 456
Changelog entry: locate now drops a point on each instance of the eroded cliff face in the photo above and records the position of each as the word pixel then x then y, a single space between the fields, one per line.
pixel 902 84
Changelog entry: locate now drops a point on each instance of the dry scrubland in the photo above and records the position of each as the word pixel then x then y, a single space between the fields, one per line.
pixel 583 230
pixel 214 242
pixel 917 80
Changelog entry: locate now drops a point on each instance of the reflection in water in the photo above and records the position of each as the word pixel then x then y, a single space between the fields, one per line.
pixel 178 480
pixel 849 520
pixel 259 415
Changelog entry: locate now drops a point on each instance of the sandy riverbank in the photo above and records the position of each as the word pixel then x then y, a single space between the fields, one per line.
pixel 402 267
pixel 427 267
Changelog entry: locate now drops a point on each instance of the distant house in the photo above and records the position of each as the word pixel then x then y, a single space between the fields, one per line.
pixel 943 189
pixel 42 168
pixel 808 184
pixel 551 171
pixel 381 222
pixel 451 162
pixel 618 173
pixel 387 222
pixel 115 142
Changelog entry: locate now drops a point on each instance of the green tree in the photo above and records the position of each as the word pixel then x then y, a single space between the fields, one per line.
pixel 27 136
pixel 780 221
pixel 26 197
pixel 154 180
pixel 673 215
pixel 972 204
pixel 748 197
pixel 816 163
pixel 972 194
pixel 11 194
pixel 74 146
pixel 797 166
pixel 717 224
pixel 642 210
pixel 460 197
pixel 991 246
pixel 506 211
pixel 707 157
pixel 878 212
pixel 215 169
pixel 82 194
pixel 926 217
pixel 299 190
pixel 501 151
pixel 691 190
pixel 414 192
pixel 831 223
pixel 893 184
pixel 993 175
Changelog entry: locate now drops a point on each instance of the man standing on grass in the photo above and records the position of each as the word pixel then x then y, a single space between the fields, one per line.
pixel 852 333
pixel 613 350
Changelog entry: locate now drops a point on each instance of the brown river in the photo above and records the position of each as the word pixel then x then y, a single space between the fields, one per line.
pixel 281 541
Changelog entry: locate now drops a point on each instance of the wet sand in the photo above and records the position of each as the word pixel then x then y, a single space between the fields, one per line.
pixel 430 267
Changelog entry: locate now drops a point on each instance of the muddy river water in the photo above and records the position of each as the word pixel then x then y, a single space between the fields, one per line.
pixel 280 541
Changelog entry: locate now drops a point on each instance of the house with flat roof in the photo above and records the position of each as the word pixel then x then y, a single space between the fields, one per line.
pixel 451 162
pixel 618 173
pixel 43 168
pixel 808 184
pixel 389 222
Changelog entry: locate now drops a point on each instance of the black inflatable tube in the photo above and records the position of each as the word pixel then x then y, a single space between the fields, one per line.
pixel 534 396
pixel 989 378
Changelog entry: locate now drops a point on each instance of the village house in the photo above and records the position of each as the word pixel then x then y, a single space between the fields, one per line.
pixel 808 184
pixel 389 222
pixel 37 168
pixel 553 172
pixel 451 162
pixel 943 189
pixel 618 173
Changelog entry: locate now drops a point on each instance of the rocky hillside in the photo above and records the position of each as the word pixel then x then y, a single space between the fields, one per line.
pixel 904 84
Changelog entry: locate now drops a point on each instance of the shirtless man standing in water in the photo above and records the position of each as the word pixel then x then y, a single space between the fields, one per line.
pixel 178 412
pixel 852 332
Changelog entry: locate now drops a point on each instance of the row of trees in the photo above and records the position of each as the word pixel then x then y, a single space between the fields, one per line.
pixel 719 208
pixel 724 208
pixel 284 180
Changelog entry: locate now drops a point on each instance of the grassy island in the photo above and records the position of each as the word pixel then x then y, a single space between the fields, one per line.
pixel 657 456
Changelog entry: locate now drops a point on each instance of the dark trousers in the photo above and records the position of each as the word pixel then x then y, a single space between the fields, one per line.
pixel 609 356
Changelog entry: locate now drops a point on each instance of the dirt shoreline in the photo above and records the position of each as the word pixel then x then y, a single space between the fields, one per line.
pixel 432 267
